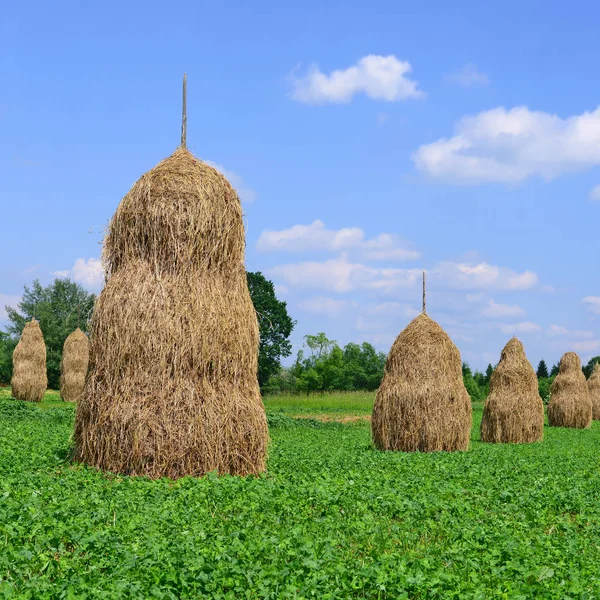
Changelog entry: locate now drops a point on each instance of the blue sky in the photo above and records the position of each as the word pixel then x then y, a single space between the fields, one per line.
pixel 368 141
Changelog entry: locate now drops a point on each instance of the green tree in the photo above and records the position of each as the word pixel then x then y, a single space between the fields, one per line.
pixel 275 326
pixel 587 369
pixel 319 344
pixel 542 370
pixel 7 346
pixel 60 308
pixel 554 370
pixel 488 374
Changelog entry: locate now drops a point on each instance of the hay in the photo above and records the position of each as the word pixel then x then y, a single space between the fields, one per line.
pixel 514 410
pixel 594 391
pixel 172 388
pixel 74 366
pixel 422 404
pixel 570 404
pixel 30 379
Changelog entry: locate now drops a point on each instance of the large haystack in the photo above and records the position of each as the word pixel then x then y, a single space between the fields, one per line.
pixel 570 404
pixel 594 391
pixel 30 379
pixel 172 388
pixel 422 404
pixel 514 410
pixel 74 366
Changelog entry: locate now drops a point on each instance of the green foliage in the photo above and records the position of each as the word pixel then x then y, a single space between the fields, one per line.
pixel 554 370
pixel 542 370
pixel 544 384
pixel 275 327
pixel 60 308
pixel 7 346
pixel 587 369
pixel 333 518
pixel 477 384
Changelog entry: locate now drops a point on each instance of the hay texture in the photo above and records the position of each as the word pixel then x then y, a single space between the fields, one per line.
pixel 570 404
pixel 594 391
pixel 74 366
pixel 172 388
pixel 514 410
pixel 30 379
pixel 422 404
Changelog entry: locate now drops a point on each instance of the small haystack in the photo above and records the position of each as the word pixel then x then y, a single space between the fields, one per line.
pixel 422 404
pixel 514 410
pixel 570 404
pixel 30 379
pixel 594 390
pixel 74 366
pixel 172 388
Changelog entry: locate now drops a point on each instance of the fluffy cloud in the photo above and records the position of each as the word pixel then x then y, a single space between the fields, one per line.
pixel 501 145
pixel 88 272
pixel 7 300
pixel 468 76
pixel 63 273
pixel 245 193
pixel 593 303
pixel 341 275
pixel 325 306
pixel 316 237
pixel 378 77
pixel 557 330
pixel 482 276
pixel 525 327
pixel 494 310
pixel 586 347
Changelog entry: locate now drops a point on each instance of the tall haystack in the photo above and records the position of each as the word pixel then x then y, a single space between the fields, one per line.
pixel 594 391
pixel 514 410
pixel 74 366
pixel 172 388
pixel 570 404
pixel 30 379
pixel 422 404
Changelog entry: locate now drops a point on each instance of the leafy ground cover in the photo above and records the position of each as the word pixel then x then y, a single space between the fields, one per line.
pixel 332 518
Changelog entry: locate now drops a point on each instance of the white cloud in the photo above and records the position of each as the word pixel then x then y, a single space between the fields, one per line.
pixel 63 273
pixel 595 193
pixel 341 275
pixel 585 347
pixel 7 300
pixel 468 76
pixel 281 289
pixel 593 303
pixel 509 146
pixel 495 310
pixel 513 329
pixel 557 330
pixel 483 276
pixel 325 306
pixel 316 237
pixel 378 77
pixel 246 194
pixel 393 309
pixel 88 272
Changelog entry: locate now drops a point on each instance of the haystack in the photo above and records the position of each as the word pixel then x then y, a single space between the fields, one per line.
pixel 172 388
pixel 422 404
pixel 30 379
pixel 514 410
pixel 74 366
pixel 570 404
pixel 594 391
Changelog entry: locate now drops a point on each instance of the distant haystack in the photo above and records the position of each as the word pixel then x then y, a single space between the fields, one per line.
pixel 173 387
pixel 30 379
pixel 514 411
pixel 594 390
pixel 74 366
pixel 570 404
pixel 422 404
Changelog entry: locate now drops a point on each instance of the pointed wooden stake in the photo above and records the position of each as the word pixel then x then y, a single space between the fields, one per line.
pixel 184 114
pixel 424 295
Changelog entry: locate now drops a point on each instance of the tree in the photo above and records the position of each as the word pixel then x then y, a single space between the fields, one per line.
pixel 555 369
pixel 319 345
pixel 488 374
pixel 7 346
pixel 542 370
pixel 275 326
pixel 587 369
pixel 60 308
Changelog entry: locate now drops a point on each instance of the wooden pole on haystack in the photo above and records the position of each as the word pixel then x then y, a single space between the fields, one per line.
pixel 424 296
pixel 184 114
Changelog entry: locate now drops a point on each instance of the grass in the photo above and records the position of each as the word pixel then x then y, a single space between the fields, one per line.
pixel 342 403
pixel 332 518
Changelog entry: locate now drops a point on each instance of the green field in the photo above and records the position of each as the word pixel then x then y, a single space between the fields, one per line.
pixel 332 518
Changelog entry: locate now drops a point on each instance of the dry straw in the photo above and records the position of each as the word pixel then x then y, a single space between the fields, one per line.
pixel 172 388
pixel 594 390
pixel 570 404
pixel 30 379
pixel 74 366
pixel 422 404
pixel 514 411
